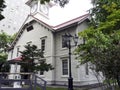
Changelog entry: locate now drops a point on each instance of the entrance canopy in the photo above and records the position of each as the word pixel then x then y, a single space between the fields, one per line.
pixel 16 60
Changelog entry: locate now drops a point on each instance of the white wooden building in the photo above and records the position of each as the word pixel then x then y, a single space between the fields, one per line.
pixel 37 30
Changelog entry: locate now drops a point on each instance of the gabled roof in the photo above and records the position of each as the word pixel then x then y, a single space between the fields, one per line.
pixel 65 24
pixel 56 28
pixel 70 22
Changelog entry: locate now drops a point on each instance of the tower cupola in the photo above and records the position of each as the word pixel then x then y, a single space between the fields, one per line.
pixel 36 6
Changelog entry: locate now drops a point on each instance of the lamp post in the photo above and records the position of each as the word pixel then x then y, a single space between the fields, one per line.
pixel 67 43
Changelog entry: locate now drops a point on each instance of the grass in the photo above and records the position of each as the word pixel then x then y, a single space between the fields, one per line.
pixel 115 88
pixel 56 88
pixel 51 88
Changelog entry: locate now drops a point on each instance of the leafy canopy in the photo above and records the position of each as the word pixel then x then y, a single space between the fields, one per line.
pixel 5 41
pixel 62 3
pixel 102 45
pixel 2 6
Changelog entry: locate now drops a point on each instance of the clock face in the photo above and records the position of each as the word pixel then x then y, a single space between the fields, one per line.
pixel 44 9
pixel 33 8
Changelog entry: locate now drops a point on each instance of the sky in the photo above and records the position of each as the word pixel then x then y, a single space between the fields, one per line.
pixel 16 12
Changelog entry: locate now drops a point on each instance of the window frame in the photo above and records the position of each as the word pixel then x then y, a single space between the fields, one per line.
pixel 18 49
pixel 63 43
pixel 41 73
pixel 65 68
pixel 43 38
pixel 43 44
pixel 12 53
pixel 29 28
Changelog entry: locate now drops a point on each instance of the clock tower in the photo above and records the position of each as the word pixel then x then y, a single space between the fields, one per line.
pixel 37 7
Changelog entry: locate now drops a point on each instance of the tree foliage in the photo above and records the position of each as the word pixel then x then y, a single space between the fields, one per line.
pixel 2 6
pixel 5 41
pixel 62 3
pixel 102 39
pixel 100 11
pixel 32 57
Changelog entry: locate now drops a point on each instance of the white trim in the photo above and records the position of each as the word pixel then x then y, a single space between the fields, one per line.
pixel 64 76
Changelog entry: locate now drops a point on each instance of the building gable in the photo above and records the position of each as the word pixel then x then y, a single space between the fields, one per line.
pixel 31 19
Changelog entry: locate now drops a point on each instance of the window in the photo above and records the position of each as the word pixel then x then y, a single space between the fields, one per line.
pixel 63 43
pixel 43 44
pixel 65 67
pixel 41 72
pixel 86 69
pixel 11 54
pixel 18 49
pixel 29 28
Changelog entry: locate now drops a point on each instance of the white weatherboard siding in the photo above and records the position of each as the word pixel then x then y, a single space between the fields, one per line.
pixel 54 53
pixel 62 53
pixel 78 73
pixel 35 37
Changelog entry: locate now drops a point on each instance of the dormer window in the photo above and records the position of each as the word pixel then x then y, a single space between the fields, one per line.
pixel 29 28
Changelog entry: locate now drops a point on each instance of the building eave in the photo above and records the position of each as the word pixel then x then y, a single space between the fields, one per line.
pixel 56 28
pixel 18 34
pixel 71 22
pixel 43 23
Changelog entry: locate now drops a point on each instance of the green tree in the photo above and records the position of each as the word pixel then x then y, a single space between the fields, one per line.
pixel 33 57
pixel 3 47
pixel 62 3
pixel 102 39
pixel 11 38
pixel 5 41
pixel 2 6
pixel 99 13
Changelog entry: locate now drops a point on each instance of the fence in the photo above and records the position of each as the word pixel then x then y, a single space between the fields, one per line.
pixel 24 84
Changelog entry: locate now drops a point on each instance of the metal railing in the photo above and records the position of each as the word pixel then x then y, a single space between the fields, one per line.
pixel 31 83
pixel 8 84
pixel 39 82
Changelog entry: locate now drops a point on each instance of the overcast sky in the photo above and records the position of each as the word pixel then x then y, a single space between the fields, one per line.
pixel 16 12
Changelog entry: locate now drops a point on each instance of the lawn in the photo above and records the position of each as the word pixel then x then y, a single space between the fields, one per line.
pixel 55 88
pixel 50 88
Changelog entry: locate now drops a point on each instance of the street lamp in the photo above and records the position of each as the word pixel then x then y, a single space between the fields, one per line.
pixel 67 43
